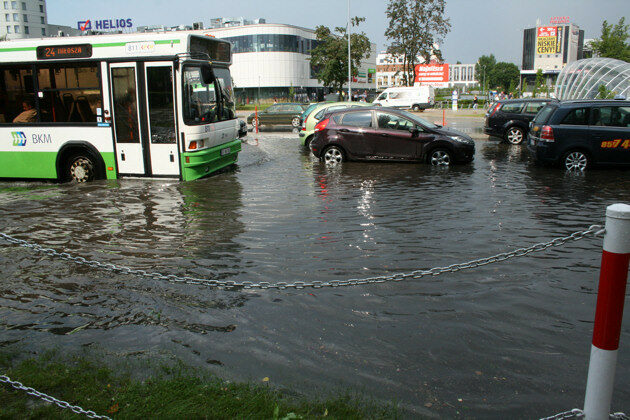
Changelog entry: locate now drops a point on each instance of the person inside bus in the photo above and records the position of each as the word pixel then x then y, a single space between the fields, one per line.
pixel 28 115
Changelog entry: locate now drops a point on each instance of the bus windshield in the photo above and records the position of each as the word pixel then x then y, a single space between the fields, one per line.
pixel 200 99
pixel 207 103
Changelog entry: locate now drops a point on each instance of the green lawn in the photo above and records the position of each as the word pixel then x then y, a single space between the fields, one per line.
pixel 169 392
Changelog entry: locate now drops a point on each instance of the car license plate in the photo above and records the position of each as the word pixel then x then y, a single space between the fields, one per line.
pixel 225 151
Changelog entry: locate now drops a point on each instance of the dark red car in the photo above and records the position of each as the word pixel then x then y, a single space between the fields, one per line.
pixel 377 133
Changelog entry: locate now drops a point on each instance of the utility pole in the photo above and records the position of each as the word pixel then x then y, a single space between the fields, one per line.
pixel 349 59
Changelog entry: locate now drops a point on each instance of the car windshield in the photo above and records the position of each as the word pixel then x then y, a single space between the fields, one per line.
pixel 419 120
pixel 544 114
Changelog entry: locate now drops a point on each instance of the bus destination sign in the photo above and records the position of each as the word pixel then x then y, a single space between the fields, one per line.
pixel 55 52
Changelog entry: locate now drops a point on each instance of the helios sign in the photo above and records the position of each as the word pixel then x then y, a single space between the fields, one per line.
pixel 104 24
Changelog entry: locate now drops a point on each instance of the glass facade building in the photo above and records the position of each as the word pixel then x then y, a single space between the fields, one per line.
pixel 583 79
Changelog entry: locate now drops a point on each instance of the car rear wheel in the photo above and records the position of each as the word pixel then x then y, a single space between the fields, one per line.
pixel 416 108
pixel 515 135
pixel 440 157
pixel 576 160
pixel 307 141
pixel 295 122
pixel 333 155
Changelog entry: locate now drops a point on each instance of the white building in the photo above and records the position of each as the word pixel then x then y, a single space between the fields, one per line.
pixel 389 73
pixel 272 60
pixel 23 19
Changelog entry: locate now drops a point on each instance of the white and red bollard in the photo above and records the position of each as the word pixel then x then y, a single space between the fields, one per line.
pixel 609 313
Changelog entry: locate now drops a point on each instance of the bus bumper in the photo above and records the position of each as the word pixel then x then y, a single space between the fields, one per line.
pixel 202 163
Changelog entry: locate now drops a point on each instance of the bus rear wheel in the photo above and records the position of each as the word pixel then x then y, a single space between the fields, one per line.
pixel 80 168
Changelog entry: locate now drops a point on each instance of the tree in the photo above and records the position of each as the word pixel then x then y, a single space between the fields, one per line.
pixel 483 70
pixel 330 57
pixel 612 43
pixel 538 83
pixel 504 73
pixel 415 27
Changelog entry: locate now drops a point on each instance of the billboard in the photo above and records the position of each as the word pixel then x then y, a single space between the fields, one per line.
pixel 549 40
pixel 432 74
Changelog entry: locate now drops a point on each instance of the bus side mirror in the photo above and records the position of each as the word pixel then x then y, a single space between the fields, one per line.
pixel 207 75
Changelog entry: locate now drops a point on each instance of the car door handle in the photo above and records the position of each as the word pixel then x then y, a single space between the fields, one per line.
pixel 344 130
pixel 383 134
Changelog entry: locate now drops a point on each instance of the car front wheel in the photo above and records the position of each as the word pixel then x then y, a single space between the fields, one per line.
pixel 333 155
pixel 576 160
pixel 440 157
pixel 515 135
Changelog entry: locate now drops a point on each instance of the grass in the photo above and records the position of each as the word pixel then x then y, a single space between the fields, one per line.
pixel 250 107
pixel 172 392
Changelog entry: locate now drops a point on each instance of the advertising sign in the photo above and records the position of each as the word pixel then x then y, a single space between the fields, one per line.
pixel 548 40
pixel 432 74
pixel 104 24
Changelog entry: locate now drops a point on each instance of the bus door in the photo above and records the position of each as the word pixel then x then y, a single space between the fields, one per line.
pixel 130 156
pixel 161 119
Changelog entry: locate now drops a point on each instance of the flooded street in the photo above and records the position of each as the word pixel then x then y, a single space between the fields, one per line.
pixel 508 340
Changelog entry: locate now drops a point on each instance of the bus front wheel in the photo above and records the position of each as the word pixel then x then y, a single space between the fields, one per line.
pixel 80 168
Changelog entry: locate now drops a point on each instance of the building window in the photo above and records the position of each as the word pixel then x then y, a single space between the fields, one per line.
pixel 44 31
pixel 7 17
pixel 6 5
pixel 42 18
pixel 41 8
pixel 8 29
pixel 23 6
pixel 15 17
pixel 17 29
pixel 26 31
pixel 25 18
pixel 14 5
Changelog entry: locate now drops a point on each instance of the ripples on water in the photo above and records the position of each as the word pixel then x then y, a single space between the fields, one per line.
pixel 510 339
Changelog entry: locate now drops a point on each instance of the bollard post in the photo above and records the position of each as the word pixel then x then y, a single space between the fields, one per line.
pixel 443 117
pixel 256 117
pixel 608 313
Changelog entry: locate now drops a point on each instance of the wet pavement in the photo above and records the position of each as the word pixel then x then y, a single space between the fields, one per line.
pixel 508 340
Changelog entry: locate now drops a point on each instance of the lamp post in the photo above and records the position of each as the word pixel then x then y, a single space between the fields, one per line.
pixel 349 59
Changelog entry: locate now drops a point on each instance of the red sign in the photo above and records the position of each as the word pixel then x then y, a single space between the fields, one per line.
pixel 545 31
pixel 556 20
pixel 429 73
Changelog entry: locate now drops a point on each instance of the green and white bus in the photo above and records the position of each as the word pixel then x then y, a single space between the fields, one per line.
pixel 109 106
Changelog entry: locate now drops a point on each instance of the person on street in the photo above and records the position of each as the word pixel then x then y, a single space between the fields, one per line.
pixel 475 102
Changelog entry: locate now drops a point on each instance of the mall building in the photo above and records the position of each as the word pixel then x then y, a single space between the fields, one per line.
pixel 550 48
pixel 272 60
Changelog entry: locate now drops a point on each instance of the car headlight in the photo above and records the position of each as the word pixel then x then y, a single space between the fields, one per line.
pixel 459 139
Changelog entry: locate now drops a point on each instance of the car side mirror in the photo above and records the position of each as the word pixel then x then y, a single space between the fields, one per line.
pixel 414 132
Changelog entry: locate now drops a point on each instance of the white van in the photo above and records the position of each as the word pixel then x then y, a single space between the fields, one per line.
pixel 415 97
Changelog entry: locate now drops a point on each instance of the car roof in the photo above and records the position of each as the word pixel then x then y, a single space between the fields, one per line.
pixel 503 101
pixel 347 103
pixel 595 102
pixel 367 108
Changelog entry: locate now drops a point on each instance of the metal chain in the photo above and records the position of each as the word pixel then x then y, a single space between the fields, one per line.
pixel 231 284
pixel 576 413
pixel 62 404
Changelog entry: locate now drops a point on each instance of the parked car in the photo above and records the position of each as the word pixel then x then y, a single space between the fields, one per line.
pixel 278 114
pixel 310 120
pixel 509 119
pixel 579 134
pixel 417 98
pixel 377 133
pixel 242 128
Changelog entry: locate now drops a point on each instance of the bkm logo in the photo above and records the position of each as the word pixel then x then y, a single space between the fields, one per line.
pixel 19 138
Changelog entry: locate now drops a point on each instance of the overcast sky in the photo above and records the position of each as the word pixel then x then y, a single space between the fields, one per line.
pixel 477 26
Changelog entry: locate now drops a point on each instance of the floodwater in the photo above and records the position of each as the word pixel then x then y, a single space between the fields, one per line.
pixel 509 340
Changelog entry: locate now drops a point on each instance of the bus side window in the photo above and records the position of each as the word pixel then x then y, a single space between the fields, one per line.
pixel 71 93
pixel 17 97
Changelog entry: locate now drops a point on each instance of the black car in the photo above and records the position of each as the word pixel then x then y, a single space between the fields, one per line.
pixel 376 133
pixel 509 119
pixel 578 134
